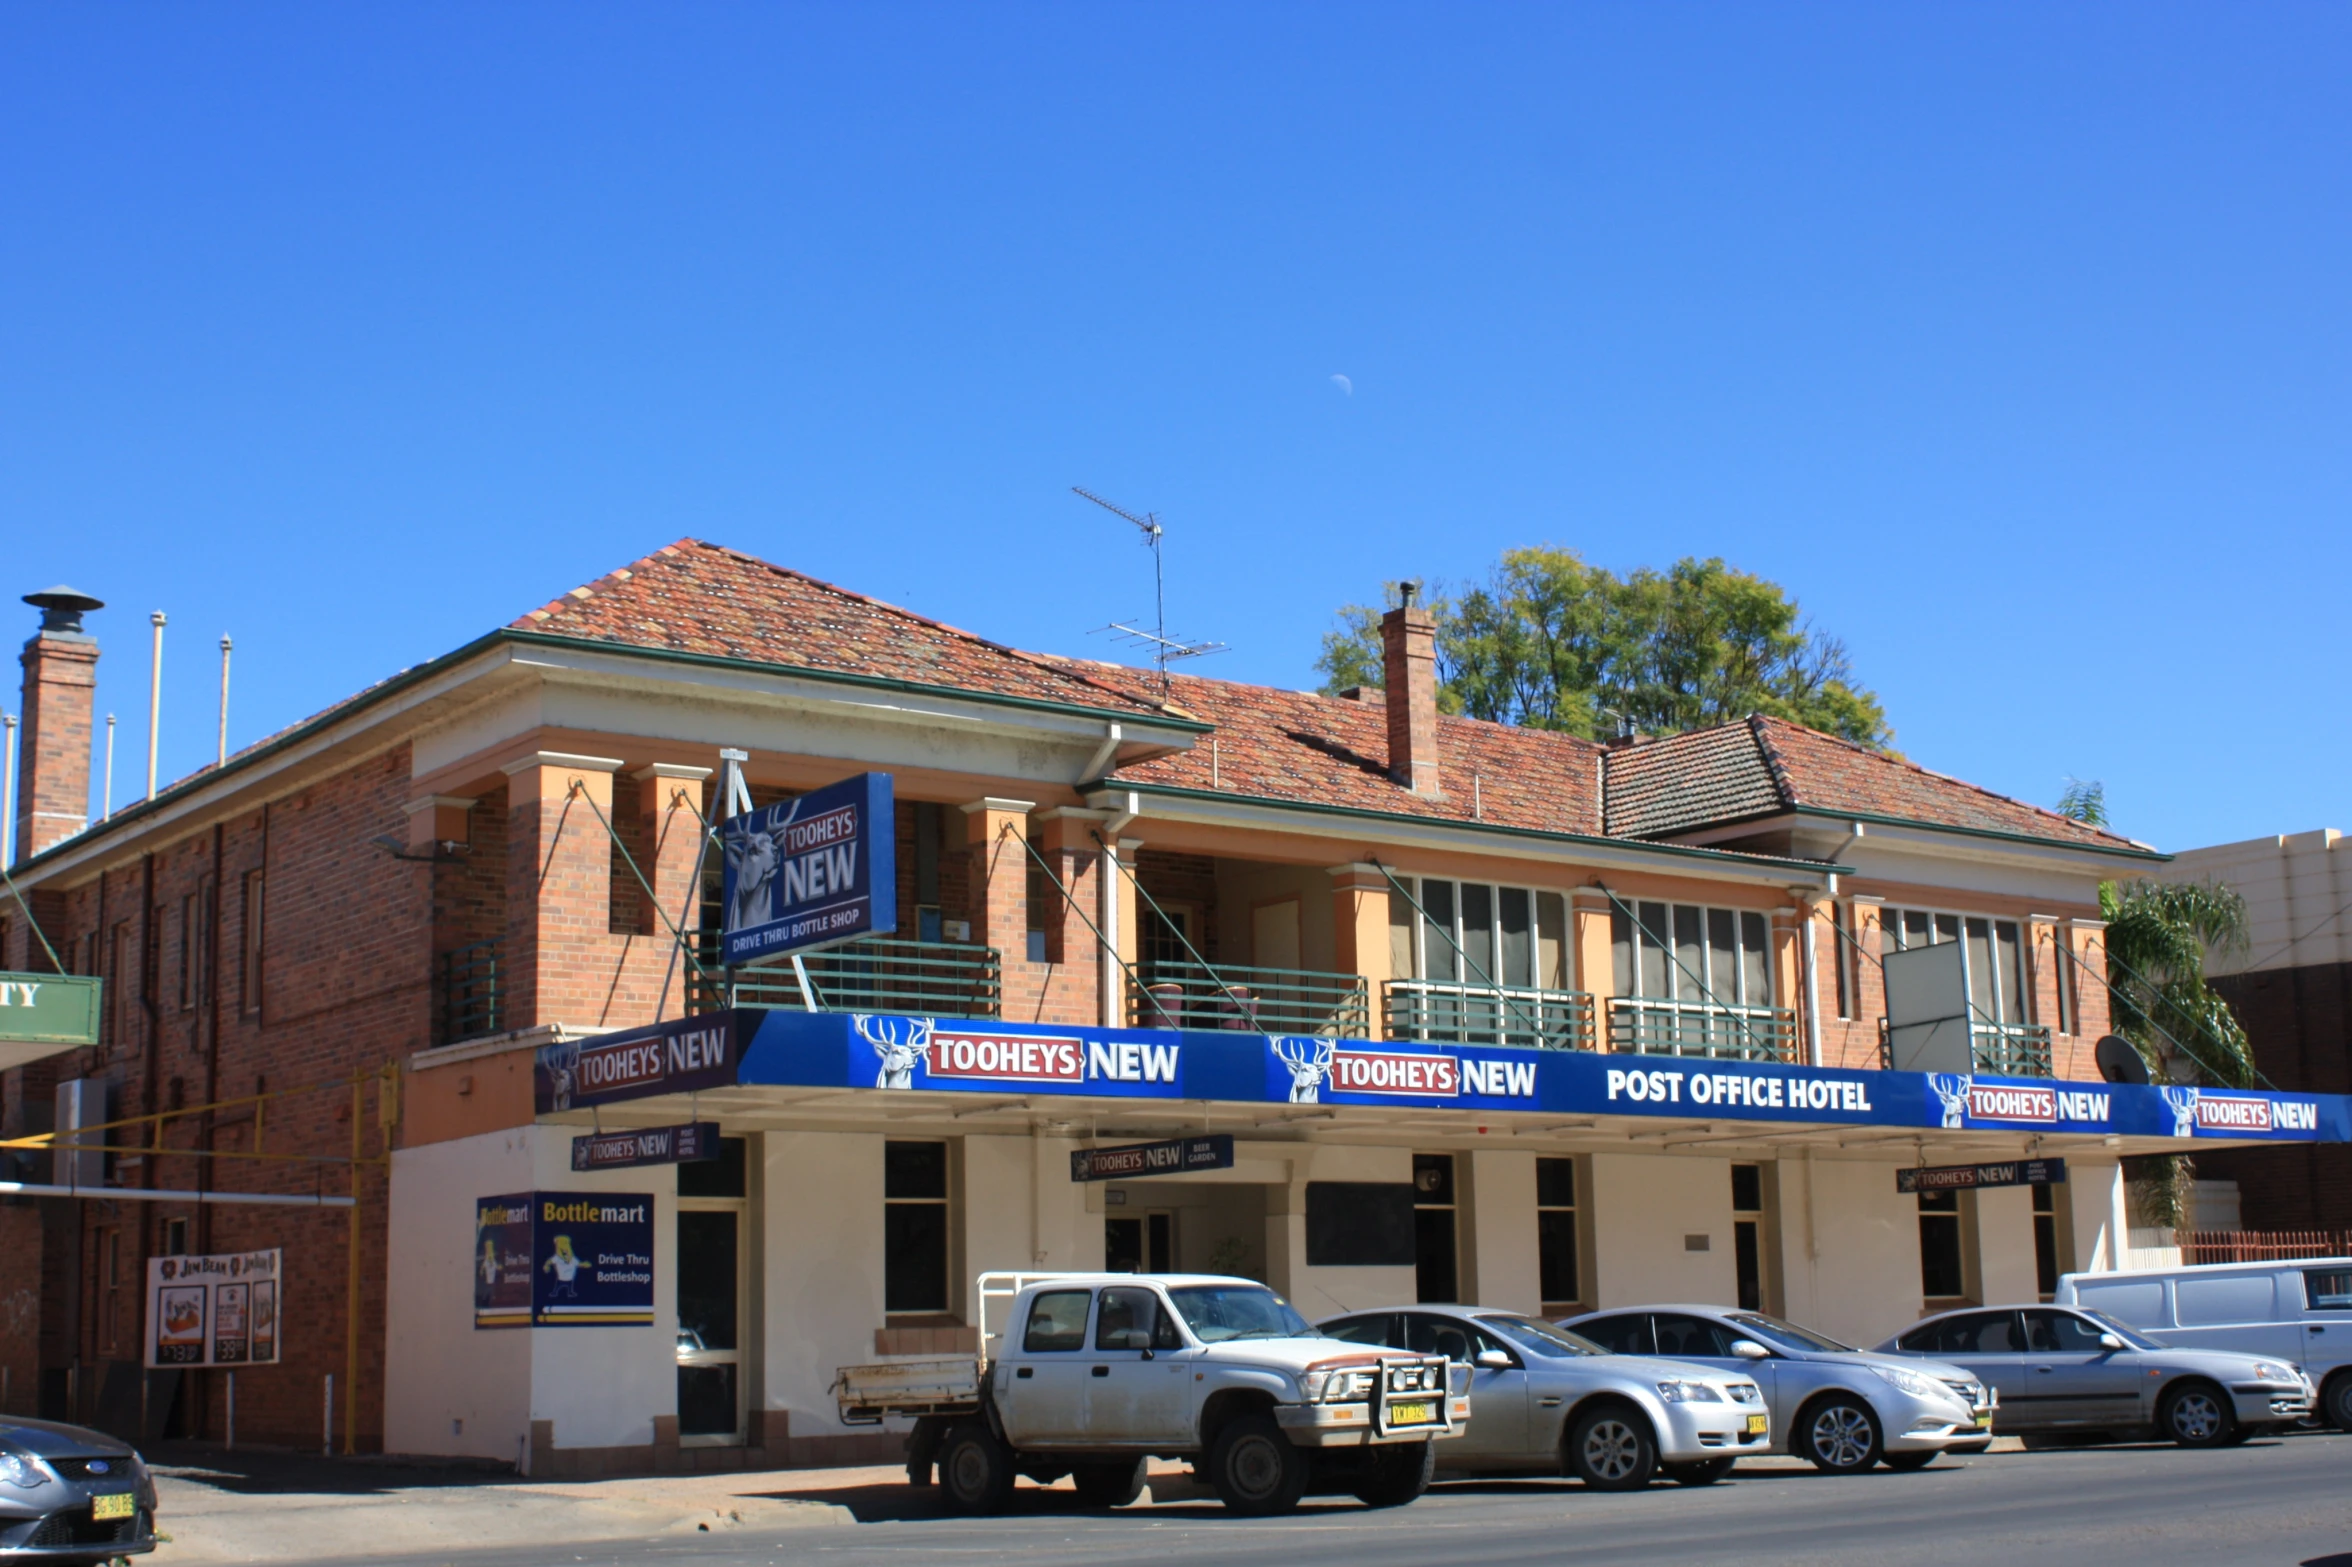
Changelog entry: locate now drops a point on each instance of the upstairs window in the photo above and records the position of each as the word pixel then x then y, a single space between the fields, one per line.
pixel 1689 953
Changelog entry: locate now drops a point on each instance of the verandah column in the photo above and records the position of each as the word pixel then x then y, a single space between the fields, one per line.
pixel 997 832
pixel 1359 919
pixel 558 888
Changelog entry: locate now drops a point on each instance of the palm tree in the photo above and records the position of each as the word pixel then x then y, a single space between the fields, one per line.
pixel 2158 936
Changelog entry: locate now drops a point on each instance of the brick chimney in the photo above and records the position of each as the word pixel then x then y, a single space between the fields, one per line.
pixel 53 756
pixel 1408 660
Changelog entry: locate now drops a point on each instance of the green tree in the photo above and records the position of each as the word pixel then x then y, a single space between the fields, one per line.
pixel 1551 642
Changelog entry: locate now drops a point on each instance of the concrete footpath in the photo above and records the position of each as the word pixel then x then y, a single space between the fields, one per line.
pixel 251 1506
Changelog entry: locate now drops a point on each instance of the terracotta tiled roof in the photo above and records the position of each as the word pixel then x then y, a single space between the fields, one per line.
pixel 699 598
pixel 1689 780
pixel 1297 745
pixel 1763 766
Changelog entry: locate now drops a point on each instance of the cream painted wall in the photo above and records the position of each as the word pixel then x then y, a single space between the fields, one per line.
pixel 1499 1261
pixel 438 1368
pixel 1642 1205
pixel 1001 1198
pixel 1864 1283
pixel 1322 1292
pixel 602 1386
pixel 822 1216
pixel 2095 1198
pixel 1242 885
pixel 2005 1246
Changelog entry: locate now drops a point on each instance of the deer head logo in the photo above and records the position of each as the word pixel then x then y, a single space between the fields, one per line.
pixel 2184 1110
pixel 900 1042
pixel 1309 1061
pixel 1952 1089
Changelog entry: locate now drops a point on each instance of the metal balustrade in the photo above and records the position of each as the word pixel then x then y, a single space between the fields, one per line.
pixel 879 974
pixel 469 991
pixel 1453 1014
pixel 1644 1026
pixel 1259 1000
pixel 1995 1049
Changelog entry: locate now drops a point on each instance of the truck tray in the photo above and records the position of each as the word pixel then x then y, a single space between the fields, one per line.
pixel 866 1394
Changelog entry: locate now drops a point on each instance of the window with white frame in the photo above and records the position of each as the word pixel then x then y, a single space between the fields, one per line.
pixel 1481 933
pixel 1992 954
pixel 1691 953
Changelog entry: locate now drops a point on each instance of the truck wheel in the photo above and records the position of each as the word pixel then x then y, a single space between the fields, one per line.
pixel 1397 1474
pixel 1109 1485
pixel 1255 1469
pixel 1705 1471
pixel 2196 1414
pixel 1611 1449
pixel 1839 1436
pixel 976 1470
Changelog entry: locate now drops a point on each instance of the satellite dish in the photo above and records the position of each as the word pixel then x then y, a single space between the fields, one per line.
pixel 2120 1061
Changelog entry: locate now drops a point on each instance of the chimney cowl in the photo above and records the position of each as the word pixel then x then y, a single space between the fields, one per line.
pixel 62 609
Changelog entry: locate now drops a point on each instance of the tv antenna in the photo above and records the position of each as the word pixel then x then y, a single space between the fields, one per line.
pixel 1163 646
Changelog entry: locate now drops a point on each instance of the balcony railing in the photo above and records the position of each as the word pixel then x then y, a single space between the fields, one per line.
pixel 1450 1014
pixel 1259 1000
pixel 2010 1049
pixel 929 978
pixel 1996 1049
pixel 469 991
pixel 1692 1028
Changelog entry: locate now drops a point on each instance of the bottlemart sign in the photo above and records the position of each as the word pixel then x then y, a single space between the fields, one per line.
pixel 48 1009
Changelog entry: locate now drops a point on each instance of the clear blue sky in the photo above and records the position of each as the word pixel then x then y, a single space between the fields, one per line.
pixel 2013 340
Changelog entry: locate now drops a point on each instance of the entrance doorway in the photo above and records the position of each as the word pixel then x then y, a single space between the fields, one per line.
pixel 1140 1242
pixel 713 1298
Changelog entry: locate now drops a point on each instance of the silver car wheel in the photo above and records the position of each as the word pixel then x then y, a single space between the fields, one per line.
pixel 1612 1449
pixel 1841 1435
pixel 2195 1416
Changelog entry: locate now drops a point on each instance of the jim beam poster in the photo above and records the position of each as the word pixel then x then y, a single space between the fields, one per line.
pixel 213 1311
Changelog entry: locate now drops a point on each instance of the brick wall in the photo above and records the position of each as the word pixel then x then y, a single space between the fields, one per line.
pixel 2300 1022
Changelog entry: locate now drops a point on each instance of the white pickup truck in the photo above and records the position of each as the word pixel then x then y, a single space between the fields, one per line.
pixel 1091 1374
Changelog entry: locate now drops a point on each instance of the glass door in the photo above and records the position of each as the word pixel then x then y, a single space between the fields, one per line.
pixel 713 1298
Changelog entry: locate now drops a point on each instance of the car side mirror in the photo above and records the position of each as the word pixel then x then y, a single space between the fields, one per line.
pixel 1749 1349
pixel 1492 1360
pixel 2110 1341
pixel 1132 1338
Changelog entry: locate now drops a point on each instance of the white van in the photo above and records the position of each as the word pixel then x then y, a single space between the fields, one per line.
pixel 2300 1311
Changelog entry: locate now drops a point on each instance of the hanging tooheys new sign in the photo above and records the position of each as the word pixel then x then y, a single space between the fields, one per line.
pixel 667 1058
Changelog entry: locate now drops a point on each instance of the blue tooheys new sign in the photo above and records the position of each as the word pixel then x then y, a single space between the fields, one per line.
pixel 897 1053
pixel 811 872
pixel 636 1063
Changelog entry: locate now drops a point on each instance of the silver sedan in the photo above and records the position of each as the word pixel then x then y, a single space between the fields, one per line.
pixel 1543 1400
pixel 1841 1408
pixel 2059 1370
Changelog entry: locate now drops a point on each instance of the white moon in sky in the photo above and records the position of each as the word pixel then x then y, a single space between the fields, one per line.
pixel 1344 384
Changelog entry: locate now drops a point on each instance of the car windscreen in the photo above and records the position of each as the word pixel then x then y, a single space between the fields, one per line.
pixel 1541 1338
pixel 1787 1335
pixel 2130 1335
pixel 1217 1312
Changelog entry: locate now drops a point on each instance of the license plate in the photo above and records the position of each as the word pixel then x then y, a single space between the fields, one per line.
pixel 120 1505
pixel 1984 1420
pixel 1756 1425
pixel 1412 1414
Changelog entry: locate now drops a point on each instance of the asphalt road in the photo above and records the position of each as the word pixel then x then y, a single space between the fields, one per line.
pixel 2286 1501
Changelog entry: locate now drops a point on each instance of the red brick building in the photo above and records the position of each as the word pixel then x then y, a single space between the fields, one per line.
pixel 381 906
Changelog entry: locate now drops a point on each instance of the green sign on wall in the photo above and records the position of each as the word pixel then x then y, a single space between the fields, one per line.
pixel 48 1009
